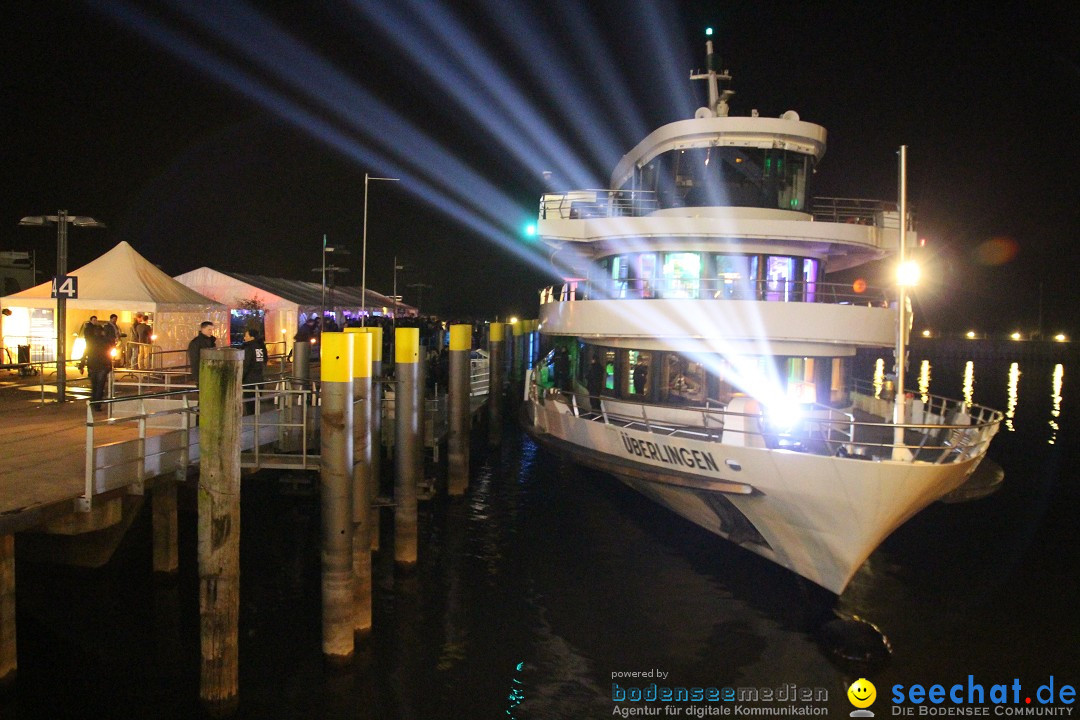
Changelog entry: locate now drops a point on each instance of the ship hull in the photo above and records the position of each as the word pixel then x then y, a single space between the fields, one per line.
pixel 818 516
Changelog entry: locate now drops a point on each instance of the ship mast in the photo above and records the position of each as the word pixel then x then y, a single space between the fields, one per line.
pixel 718 99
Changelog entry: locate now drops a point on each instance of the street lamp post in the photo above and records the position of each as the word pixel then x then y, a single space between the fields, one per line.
pixel 331 269
pixel 62 219
pixel 363 259
pixel 419 294
pixel 396 268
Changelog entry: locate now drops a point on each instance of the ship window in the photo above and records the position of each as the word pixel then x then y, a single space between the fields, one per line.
pixel 635 379
pixel 800 380
pixel 736 277
pixel 809 276
pixel 729 176
pixel 620 271
pixel 608 361
pixel 684 380
pixel 681 276
pixel 779 278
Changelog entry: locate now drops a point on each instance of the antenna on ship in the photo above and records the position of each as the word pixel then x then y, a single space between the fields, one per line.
pixel 718 99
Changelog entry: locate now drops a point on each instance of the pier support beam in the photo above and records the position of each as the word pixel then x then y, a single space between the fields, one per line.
pixel 8 657
pixel 408 443
pixel 496 379
pixel 166 544
pixel 363 479
pixel 336 475
pixel 219 527
pixel 458 438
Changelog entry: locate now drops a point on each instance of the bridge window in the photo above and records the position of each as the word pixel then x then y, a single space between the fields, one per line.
pixel 681 274
pixel 728 176
pixel 736 277
pixel 779 278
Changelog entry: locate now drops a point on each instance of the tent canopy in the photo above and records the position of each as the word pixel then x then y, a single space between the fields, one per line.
pixel 278 293
pixel 121 279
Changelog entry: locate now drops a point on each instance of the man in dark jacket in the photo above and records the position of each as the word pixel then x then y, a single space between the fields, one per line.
pixel 254 364
pixel 204 340
pixel 254 357
pixel 96 358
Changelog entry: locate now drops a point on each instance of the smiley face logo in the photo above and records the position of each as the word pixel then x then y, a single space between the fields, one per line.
pixel 862 693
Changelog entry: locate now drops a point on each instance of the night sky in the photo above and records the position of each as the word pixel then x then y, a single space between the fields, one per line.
pixel 101 120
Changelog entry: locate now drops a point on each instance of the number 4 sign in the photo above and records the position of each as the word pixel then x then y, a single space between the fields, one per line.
pixel 66 286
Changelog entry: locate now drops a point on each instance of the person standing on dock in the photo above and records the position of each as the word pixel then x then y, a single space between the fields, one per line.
pixel 204 340
pixel 96 358
pixel 254 365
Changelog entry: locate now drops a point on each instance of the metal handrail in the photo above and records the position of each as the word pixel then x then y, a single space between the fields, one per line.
pixel 832 432
pixel 716 289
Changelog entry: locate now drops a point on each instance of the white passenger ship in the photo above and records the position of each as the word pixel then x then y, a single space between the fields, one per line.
pixel 702 358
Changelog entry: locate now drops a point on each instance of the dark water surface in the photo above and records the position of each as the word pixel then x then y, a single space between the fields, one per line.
pixel 547 579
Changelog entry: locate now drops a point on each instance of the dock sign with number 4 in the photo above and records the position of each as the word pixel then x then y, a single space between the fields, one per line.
pixel 66 286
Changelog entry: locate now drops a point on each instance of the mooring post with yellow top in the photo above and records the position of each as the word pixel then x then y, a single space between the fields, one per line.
pixel 408 443
pixel 362 477
pixel 457 441
pixel 336 495
pixel 220 414
pixel 8 657
pixel 376 427
pixel 496 368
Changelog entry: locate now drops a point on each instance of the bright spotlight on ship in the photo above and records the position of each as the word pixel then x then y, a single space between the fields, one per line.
pixel 907 273
pixel 1060 337
pixel 1015 336
pixel 783 415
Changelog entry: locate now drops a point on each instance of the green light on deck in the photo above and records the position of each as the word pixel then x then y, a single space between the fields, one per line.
pixel 530 230
pixel 708 31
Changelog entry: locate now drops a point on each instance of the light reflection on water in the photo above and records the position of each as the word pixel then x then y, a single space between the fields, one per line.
pixel 1055 412
pixel 1010 401
pixel 969 383
pixel 1010 409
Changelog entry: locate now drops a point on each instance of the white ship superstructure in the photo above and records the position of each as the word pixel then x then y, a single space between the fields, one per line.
pixel 701 356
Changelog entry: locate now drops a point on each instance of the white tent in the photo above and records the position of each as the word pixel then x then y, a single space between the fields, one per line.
pixel 282 313
pixel 123 282
pixel 286 303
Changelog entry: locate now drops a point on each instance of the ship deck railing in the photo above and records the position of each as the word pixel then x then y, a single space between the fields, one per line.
pixel 590 203
pixel 938 431
pixel 717 289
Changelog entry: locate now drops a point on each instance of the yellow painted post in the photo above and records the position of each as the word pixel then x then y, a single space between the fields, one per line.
pixel 408 443
pixel 376 428
pixel 363 408
pixel 219 527
pixel 457 441
pixel 8 657
pixel 496 374
pixel 336 475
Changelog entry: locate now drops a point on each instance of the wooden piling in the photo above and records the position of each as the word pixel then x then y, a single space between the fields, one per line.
pixel 408 443
pixel 336 494
pixel 8 657
pixel 496 375
pixel 219 527
pixel 363 479
pixel 457 441
pixel 166 544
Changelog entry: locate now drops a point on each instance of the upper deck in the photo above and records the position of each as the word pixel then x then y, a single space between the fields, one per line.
pixel 841 232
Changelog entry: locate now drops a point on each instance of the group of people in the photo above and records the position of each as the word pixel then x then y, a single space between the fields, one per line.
pixel 254 347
